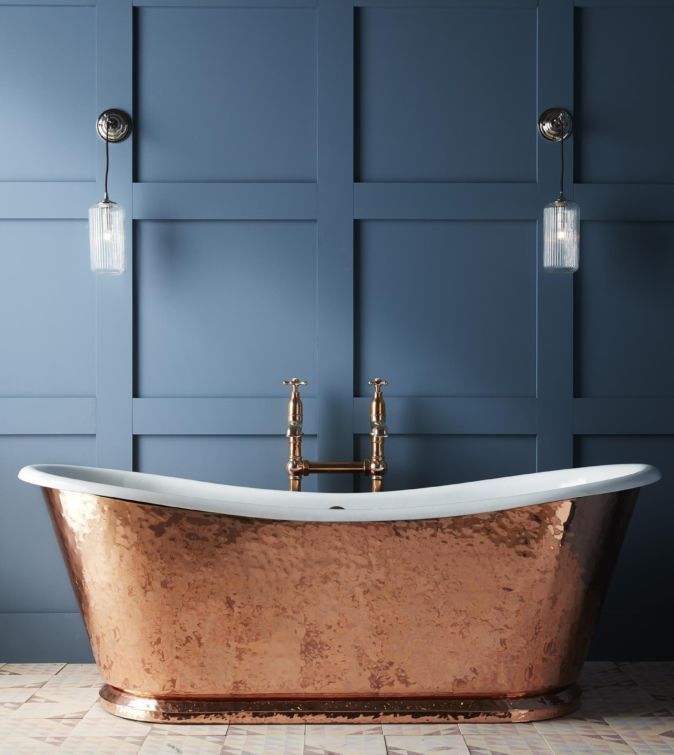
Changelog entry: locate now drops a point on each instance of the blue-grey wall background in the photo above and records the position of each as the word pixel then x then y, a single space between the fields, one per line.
pixel 335 190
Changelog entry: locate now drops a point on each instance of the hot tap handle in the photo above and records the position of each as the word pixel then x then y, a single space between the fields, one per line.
pixel 378 383
pixel 295 383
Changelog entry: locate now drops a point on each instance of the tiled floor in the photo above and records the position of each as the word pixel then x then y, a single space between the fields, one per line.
pixel 52 707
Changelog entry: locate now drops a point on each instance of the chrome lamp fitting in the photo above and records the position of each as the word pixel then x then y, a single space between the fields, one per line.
pixel 106 219
pixel 561 218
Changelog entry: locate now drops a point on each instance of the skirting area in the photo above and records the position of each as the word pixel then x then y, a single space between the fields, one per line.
pixel 626 707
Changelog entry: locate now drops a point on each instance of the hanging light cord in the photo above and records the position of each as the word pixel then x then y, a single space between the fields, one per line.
pixel 561 170
pixel 106 198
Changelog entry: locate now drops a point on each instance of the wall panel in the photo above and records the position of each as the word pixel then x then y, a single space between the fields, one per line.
pixel 623 300
pixel 430 298
pixel 47 309
pixel 333 190
pixel 48 85
pixel 204 295
pixel 622 52
pixel 417 461
pixel 226 94
pixel 435 102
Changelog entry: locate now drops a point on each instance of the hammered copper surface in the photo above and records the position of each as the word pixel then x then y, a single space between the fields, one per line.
pixel 185 604
pixel 398 710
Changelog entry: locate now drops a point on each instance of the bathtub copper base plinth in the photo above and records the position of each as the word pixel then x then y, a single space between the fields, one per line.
pixel 344 711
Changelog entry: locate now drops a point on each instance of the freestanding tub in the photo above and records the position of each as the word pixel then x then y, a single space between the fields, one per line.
pixel 471 602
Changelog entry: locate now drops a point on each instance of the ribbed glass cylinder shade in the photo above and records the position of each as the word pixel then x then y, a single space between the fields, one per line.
pixel 561 236
pixel 106 238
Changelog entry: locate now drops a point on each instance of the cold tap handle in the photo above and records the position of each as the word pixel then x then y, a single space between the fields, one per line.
pixel 378 407
pixel 295 409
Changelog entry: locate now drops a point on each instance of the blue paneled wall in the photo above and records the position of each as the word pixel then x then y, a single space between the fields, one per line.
pixel 334 190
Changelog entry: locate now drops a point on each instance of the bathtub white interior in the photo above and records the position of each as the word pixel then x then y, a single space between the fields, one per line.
pixel 419 503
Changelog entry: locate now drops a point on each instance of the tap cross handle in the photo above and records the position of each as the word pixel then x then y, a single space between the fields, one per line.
pixel 378 383
pixel 295 383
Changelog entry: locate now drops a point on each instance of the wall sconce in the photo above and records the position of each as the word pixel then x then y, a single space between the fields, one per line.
pixel 561 218
pixel 106 219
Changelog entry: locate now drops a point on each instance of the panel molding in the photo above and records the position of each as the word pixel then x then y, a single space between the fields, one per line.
pixel 114 301
pixel 224 201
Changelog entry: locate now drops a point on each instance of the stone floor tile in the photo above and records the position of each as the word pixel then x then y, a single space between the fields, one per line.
pixel 569 743
pixel 645 734
pixel 265 739
pixel 58 702
pixel 420 730
pixel 451 744
pixel 102 745
pixel 98 722
pixel 76 675
pixel 366 744
pixel 46 669
pixel 316 731
pixel 159 743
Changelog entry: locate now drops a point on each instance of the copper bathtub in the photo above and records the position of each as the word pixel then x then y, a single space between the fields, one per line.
pixel 216 603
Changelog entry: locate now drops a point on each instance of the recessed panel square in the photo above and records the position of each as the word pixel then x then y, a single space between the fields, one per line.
pixel 624 62
pixel 250 460
pixel 47 309
pixel 48 90
pixel 224 308
pixel 437 100
pixel 226 94
pixel 447 308
pixel 420 461
pixel 624 309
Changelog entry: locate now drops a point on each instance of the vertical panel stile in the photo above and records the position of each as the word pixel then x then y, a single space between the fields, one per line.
pixel 555 290
pixel 114 315
pixel 335 265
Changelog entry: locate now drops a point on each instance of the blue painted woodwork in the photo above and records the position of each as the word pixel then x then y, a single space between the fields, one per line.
pixel 333 189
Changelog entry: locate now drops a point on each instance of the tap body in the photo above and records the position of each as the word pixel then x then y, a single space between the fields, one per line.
pixel 298 467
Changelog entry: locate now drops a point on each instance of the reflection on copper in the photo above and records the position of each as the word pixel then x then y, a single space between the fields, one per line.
pixel 197 616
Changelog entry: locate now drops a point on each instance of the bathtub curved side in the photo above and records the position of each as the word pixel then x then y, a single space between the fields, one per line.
pixel 183 604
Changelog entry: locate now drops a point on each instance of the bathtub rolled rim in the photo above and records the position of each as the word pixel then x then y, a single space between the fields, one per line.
pixel 460 499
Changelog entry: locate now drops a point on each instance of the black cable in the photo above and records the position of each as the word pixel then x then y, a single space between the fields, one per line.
pixel 106 198
pixel 561 172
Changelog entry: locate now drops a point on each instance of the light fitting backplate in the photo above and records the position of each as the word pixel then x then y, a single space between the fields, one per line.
pixel 555 124
pixel 118 125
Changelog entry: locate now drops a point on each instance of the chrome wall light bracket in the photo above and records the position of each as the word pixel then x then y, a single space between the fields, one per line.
pixel 555 124
pixel 113 125
pixel 561 218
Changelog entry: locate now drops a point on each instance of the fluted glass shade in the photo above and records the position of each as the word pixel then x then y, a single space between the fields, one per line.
pixel 561 236
pixel 106 238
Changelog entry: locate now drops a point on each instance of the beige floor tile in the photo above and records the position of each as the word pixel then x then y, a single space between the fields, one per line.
pixel 32 681
pixel 656 678
pixel 98 722
pixel 599 703
pixel 420 730
pixel 316 731
pixel 35 727
pixel 15 744
pixel 265 740
pixel 574 744
pixel 76 675
pixel 367 744
pixel 426 745
pixel 102 745
pixel 646 734
pixel 157 743
pixel 47 669
pixel 514 742
pixel 188 730
pixel 58 702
